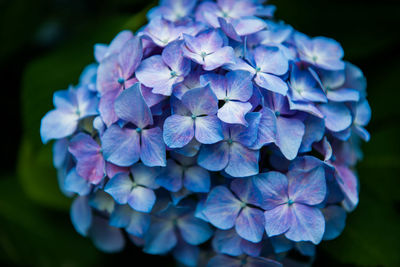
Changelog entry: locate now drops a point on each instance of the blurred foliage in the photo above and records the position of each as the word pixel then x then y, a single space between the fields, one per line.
pixel 34 223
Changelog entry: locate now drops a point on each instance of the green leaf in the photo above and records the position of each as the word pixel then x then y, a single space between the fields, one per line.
pixel 30 234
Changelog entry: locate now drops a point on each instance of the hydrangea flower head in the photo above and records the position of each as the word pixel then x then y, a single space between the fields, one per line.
pixel 215 133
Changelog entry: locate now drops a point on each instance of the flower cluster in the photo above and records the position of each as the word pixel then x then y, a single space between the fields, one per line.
pixel 214 125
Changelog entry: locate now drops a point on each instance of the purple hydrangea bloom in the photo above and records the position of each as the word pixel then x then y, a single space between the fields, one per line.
pixel 194 117
pixel 290 204
pixel 224 210
pixel 171 68
pixel 71 105
pixel 198 135
pixel 208 49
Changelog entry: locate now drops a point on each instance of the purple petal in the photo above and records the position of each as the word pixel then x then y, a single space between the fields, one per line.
pixel 222 208
pixel 248 25
pixel 247 192
pixel 172 56
pixel 229 30
pixel 273 187
pixel 75 183
pixel 139 224
pixel 142 199
pixel 218 84
pixel 240 86
pixel 152 150
pixel 266 129
pixel 201 101
pixel 250 224
pixel 145 176
pixel 106 107
pixel 307 187
pixel 314 132
pixel 197 179
pixel 343 95
pixel 121 146
pixel 271 60
pixel 108 74
pixel 105 237
pixel 234 112
pixel 171 177
pixel 160 238
pixel 271 83
pixel 208 129
pixel 278 220
pixel 308 224
pixel 363 113
pixel 223 56
pixel 160 82
pixel 349 184
pixel 130 57
pixel 120 187
pixel 337 116
pixel 243 162
pixel 194 231
pixel 58 124
pixel 81 215
pixel 178 131
pixel 289 136
pixel 227 242
pixel 335 221
pixel 246 135
pixel 214 157
pixel 130 106
pixel 118 42
pixel 90 163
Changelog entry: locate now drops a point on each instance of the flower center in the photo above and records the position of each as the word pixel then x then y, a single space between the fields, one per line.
pixel 121 80
pixel 230 141
pixel 194 117
pixel 138 130
pixel 315 58
pixel 290 202
pixel 277 113
pixel 203 55
pixel 173 74
pixel 258 69
pixel 243 205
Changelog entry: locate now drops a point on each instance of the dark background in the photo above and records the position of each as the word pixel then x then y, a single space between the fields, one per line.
pixel 44 45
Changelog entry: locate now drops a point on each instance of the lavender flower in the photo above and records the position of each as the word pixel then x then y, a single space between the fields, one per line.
pixel 197 136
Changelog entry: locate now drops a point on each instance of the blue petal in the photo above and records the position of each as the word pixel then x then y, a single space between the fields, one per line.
pixel 243 162
pixel 145 176
pixel 121 146
pixel 160 238
pixel 250 224
pixel 139 224
pixel 214 157
pixel 197 179
pixel 130 106
pixel 308 224
pixel 58 124
pixel 222 208
pixel 335 219
pixel 178 131
pixel 142 199
pixel 152 150
pixel 81 215
pixel 289 136
pixel 120 187
pixel 208 129
pixel 106 238
pixel 227 242
pixel 201 101
pixel 187 254
pixel 75 183
pixel 193 230
pixel 171 177
pixel 337 116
